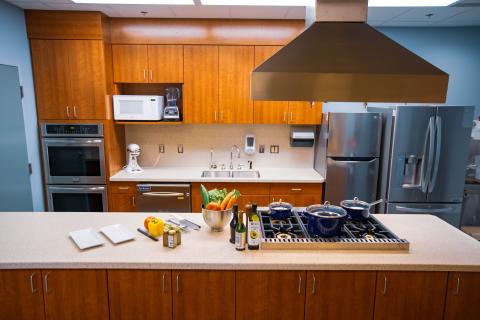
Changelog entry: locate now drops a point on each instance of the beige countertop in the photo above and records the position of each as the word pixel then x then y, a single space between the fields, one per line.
pixel 40 240
pixel 193 174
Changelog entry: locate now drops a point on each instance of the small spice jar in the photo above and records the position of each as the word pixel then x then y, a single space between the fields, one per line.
pixel 172 237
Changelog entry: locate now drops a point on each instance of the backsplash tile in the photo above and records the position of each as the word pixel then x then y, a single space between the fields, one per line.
pixel 197 140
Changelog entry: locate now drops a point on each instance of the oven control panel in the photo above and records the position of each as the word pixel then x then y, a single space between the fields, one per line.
pixel 72 130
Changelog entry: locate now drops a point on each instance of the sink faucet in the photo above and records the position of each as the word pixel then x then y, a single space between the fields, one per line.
pixel 234 149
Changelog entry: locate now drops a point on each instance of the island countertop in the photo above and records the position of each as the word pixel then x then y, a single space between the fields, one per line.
pixel 40 240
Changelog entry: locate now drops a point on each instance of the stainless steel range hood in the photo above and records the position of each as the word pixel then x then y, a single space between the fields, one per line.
pixel 341 58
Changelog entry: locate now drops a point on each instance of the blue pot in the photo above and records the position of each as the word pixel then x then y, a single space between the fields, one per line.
pixel 325 220
pixel 280 210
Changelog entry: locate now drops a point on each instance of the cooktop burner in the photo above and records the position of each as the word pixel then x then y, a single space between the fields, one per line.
pixel 292 233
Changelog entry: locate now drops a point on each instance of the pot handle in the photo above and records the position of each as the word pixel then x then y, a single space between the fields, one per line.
pixel 326 203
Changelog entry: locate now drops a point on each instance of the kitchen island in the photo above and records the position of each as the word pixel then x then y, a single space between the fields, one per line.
pixel 205 278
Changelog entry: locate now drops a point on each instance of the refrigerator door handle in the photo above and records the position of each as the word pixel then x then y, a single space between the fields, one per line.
pixel 428 160
pixel 418 210
pixel 438 148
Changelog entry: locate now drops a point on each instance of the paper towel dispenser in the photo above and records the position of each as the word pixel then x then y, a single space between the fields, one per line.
pixel 302 136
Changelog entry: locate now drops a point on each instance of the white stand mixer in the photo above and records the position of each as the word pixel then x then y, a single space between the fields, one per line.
pixel 133 153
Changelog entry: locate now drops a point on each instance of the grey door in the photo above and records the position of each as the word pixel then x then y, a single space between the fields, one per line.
pixel 412 153
pixel 354 134
pixel 450 213
pixel 453 126
pixel 349 179
pixel 15 189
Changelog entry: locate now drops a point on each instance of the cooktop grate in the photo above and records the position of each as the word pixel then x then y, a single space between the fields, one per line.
pixel 292 233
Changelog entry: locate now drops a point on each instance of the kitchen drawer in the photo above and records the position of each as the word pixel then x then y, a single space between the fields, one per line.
pixel 296 188
pixel 123 187
pixel 244 188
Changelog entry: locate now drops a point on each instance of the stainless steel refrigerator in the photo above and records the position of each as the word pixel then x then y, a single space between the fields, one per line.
pixel 353 151
pixel 424 155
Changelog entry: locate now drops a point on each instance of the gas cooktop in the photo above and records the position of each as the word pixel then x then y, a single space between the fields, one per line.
pixel 292 233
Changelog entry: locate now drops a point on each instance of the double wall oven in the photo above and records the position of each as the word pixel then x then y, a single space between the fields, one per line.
pixel 74 166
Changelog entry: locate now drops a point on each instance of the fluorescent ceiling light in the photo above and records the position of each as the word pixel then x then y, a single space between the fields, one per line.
pixel 136 1
pixel 410 3
pixel 277 3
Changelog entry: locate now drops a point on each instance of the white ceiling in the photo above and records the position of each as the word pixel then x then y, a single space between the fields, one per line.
pixel 463 13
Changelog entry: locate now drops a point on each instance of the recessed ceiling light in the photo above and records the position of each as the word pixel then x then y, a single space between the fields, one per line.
pixel 278 3
pixel 136 1
pixel 410 3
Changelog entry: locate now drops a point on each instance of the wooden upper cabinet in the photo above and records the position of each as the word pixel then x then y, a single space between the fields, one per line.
pixel 235 66
pixel 21 295
pixel 52 78
pixel 269 112
pixel 140 294
pixel 165 63
pixel 303 112
pixel 75 294
pixel 410 295
pixel 200 89
pixel 270 295
pixel 356 289
pixel 463 296
pixel 130 63
pixel 203 295
pixel 88 83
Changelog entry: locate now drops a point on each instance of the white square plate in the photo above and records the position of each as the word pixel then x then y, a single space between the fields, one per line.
pixel 117 233
pixel 86 238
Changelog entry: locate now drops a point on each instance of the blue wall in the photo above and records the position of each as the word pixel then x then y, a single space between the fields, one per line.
pixel 15 51
pixel 454 50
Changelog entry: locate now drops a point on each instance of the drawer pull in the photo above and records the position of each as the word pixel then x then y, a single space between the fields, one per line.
pixel 123 188
pixel 296 189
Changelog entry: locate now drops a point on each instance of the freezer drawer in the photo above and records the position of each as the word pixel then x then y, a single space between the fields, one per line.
pixel 349 179
pixel 451 213
pixel 354 134
pixel 163 198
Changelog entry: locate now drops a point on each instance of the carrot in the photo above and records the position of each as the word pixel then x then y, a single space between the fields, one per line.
pixel 225 200
pixel 212 206
pixel 232 200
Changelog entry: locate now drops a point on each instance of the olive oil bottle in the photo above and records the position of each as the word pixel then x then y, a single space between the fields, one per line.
pixel 233 223
pixel 240 234
pixel 253 237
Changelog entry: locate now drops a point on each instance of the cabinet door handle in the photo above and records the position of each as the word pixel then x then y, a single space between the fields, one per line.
pixel 178 283
pixel 296 189
pixel 45 282
pixel 151 74
pixel 215 115
pixel 285 116
pixel 75 112
pixel 457 288
pixel 314 285
pixel 384 285
pixel 299 284
pixel 133 201
pixel 68 112
pixel 291 116
pixel 163 282
pixel 32 284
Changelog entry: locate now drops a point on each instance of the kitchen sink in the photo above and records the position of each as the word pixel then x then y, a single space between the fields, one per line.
pixel 230 174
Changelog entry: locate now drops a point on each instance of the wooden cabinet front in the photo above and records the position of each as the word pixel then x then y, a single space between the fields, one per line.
pixel 52 79
pixel 21 295
pixel 301 112
pixel 165 63
pixel 130 63
pixel 410 295
pixel 122 197
pixel 340 295
pixel 463 296
pixel 75 294
pixel 140 294
pixel 235 66
pixel 200 89
pixel 270 295
pixel 203 295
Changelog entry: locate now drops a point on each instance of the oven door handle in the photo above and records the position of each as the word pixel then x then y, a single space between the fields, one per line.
pixel 78 189
pixel 72 142
pixel 163 194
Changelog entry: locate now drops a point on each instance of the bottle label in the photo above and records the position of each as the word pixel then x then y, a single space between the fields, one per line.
pixel 253 233
pixel 171 241
pixel 240 240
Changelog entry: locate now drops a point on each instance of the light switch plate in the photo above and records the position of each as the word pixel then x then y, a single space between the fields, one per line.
pixel 274 148
pixel 180 148
pixel 161 148
pixel 261 148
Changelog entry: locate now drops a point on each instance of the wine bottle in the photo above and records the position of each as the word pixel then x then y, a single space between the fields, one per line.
pixel 233 223
pixel 240 234
pixel 253 237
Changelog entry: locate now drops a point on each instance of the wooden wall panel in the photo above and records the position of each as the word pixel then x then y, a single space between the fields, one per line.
pixel 44 24
pixel 204 31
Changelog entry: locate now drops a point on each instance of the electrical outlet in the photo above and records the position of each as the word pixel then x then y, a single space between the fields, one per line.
pixel 261 148
pixel 180 148
pixel 161 148
pixel 274 148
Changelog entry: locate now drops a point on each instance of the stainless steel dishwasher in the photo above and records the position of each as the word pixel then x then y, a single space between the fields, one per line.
pixel 163 198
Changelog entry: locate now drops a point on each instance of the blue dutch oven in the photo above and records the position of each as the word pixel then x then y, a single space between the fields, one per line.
pixel 280 210
pixel 325 220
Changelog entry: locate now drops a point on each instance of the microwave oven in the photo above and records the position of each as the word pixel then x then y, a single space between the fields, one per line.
pixel 135 107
